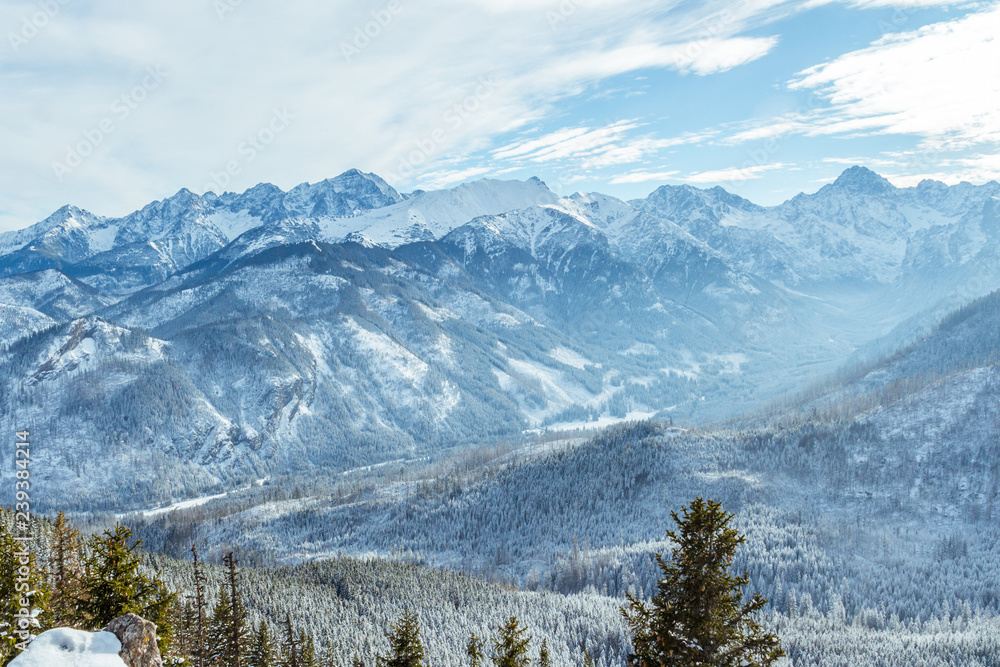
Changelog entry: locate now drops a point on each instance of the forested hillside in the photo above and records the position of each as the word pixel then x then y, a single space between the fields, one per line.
pixel 873 506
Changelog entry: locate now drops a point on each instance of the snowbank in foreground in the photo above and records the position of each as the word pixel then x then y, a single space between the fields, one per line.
pixel 64 647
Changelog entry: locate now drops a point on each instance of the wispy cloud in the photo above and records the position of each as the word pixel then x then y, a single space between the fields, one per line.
pixel 733 174
pixel 446 177
pixel 729 175
pixel 934 83
pixel 594 148
pixel 644 177
pixel 366 84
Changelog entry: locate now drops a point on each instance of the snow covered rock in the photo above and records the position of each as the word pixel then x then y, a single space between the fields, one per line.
pixel 65 647
pixel 138 640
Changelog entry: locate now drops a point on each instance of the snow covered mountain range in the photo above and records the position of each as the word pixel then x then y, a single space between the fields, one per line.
pixel 227 338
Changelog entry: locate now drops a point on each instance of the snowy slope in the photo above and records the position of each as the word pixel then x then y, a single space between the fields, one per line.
pixel 427 216
pixel 50 292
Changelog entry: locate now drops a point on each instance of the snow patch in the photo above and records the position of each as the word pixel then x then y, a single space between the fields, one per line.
pixel 232 224
pixel 564 355
pixel 65 647
pixel 601 422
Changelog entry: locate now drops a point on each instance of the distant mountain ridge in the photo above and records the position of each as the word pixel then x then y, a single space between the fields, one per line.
pixel 342 323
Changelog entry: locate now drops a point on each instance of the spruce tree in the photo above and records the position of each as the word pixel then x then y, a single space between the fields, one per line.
pixel 236 632
pixel 199 638
pixel 291 648
pixel 510 647
pixel 113 584
pixel 182 644
pixel 217 640
pixel 65 571
pixel 307 652
pixel 262 652
pixel 406 649
pixel 544 659
pixel 474 649
pixel 698 615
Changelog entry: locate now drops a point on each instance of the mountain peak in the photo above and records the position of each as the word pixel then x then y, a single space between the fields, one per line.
pixel 862 180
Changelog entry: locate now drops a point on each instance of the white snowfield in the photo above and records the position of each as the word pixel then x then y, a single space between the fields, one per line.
pixel 65 647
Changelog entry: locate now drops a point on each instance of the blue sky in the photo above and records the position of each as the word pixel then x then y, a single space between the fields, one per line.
pixel 108 106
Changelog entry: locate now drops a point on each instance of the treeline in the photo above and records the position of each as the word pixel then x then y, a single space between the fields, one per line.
pixel 58 578
pixel 861 510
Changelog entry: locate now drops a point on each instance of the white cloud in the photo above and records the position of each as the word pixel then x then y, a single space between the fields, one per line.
pixel 565 142
pixel 414 82
pixel 908 4
pixel 643 177
pixel 771 129
pixel 937 83
pixel 728 175
pixel 973 168
pixel 733 174
pixel 445 177
pixel 590 148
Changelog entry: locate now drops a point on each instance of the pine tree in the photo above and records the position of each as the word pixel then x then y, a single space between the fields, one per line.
pixel 236 632
pixel 66 571
pixel 262 653
pixel 199 638
pixel 307 654
pixel 183 644
pixel 405 645
pixel 698 616
pixel 474 649
pixel 217 640
pixel 544 659
pixel 291 648
pixel 510 647
pixel 113 584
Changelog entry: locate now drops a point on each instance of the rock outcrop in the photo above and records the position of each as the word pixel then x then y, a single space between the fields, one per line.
pixel 138 639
